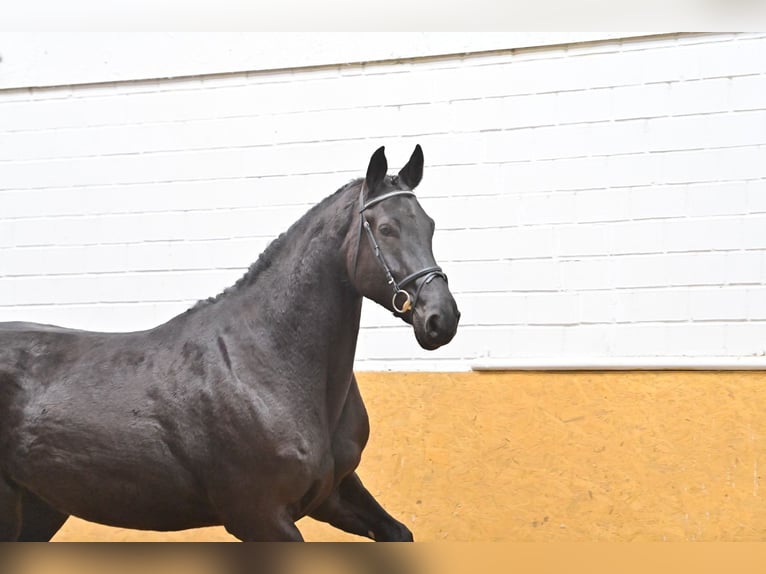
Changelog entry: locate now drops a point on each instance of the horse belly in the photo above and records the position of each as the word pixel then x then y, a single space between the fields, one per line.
pixel 128 479
pixel 116 498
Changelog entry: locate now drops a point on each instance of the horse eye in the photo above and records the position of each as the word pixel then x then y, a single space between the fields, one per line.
pixel 386 230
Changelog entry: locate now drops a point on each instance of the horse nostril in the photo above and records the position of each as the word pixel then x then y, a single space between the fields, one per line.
pixel 432 326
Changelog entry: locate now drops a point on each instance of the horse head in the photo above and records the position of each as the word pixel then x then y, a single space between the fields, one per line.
pixel 393 263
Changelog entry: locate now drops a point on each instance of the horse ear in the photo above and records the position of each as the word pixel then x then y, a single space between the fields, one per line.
pixel 377 169
pixel 412 173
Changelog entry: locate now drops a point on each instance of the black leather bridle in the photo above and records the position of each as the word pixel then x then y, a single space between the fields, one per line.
pixel 400 294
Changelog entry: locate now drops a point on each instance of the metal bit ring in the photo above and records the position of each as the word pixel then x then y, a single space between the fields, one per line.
pixel 406 305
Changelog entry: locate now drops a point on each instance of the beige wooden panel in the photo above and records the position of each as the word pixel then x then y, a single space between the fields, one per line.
pixel 554 457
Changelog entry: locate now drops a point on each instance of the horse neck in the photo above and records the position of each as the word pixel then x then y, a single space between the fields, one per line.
pixel 302 302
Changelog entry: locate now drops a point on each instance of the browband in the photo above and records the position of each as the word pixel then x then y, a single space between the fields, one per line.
pixel 378 199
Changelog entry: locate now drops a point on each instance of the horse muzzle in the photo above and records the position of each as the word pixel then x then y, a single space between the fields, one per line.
pixel 436 326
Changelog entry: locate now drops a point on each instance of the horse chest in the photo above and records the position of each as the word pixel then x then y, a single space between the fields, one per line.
pixel 326 460
pixel 323 475
pixel 321 458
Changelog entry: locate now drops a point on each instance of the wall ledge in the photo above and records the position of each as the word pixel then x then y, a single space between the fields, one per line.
pixel 622 364
pixel 39 60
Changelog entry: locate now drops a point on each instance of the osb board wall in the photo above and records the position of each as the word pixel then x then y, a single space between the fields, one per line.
pixel 554 457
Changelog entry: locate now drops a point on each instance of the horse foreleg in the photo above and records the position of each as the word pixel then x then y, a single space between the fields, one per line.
pixel 39 522
pixel 353 509
pixel 10 512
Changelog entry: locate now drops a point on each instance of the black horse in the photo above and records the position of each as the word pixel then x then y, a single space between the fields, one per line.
pixel 242 411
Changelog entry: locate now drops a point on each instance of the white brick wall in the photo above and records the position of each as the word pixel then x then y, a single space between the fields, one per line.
pixel 593 201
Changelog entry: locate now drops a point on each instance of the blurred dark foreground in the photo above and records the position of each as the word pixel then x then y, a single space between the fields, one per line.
pixel 345 558
pixel 215 558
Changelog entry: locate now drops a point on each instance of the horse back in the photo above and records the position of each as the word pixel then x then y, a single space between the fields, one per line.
pixel 26 327
pixel 27 350
pixel 34 358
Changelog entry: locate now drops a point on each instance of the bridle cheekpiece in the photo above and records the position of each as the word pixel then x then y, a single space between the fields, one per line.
pixel 401 300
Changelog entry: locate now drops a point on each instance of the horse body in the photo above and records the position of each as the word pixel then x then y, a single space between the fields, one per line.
pixel 243 411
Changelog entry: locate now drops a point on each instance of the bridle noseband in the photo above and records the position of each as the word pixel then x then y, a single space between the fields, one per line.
pixel 398 288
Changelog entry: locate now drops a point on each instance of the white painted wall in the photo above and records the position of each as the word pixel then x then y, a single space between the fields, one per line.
pixel 593 201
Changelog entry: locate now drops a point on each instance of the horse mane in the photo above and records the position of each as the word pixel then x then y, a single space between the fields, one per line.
pixel 266 258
